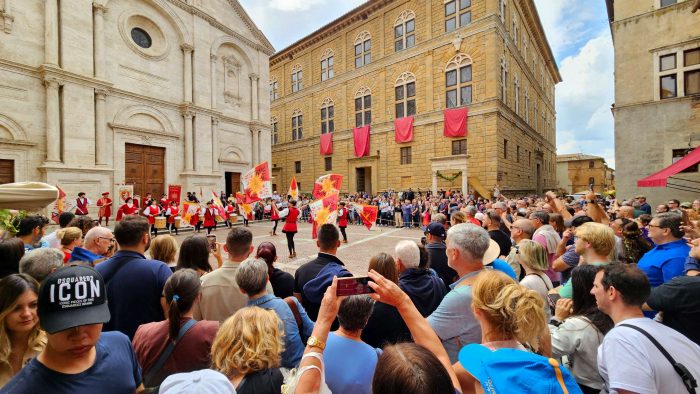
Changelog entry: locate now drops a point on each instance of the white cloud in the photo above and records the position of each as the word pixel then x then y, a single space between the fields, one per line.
pixel 293 5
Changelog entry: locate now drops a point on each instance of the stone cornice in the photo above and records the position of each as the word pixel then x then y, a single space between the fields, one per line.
pixel 5 141
pixel 47 71
pixel 140 131
pixel 541 38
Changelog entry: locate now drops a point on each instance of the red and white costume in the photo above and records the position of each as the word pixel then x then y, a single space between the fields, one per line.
pixel 151 212
pixel 81 205
pixel 210 217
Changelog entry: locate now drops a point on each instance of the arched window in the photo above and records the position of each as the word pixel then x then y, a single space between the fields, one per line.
pixel 296 78
pixel 274 89
pixel 297 125
pixel 458 81
pixel 404 31
pixel 363 49
pixel 516 93
pixel 502 10
pixel 363 107
pixel 327 65
pixel 275 133
pixel 504 80
pixel 327 115
pixel 405 92
pixel 458 13
pixel 514 29
pixel 527 106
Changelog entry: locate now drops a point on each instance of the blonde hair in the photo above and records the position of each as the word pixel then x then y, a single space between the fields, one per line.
pixel 164 248
pixel 458 217
pixel 249 341
pixel 12 287
pixel 68 235
pixel 533 255
pixel 600 236
pixel 514 311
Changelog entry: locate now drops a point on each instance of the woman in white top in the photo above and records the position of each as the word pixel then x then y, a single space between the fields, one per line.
pixel 533 258
pixel 578 328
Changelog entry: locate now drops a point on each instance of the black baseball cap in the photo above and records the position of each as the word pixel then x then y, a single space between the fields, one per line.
pixel 72 296
pixel 436 229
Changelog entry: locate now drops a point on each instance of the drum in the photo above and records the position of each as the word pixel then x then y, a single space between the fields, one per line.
pixel 177 221
pixel 218 218
pixel 233 218
pixel 160 221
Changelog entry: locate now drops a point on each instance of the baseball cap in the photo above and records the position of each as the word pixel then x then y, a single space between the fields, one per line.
pixel 515 371
pixel 72 296
pixel 203 381
pixel 436 229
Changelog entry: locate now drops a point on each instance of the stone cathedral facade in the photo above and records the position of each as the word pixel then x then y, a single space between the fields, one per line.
pixel 94 94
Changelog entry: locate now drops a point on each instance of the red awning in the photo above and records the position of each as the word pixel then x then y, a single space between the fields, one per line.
pixel 659 179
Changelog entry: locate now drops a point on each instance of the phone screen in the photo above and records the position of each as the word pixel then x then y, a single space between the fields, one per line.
pixel 212 241
pixel 353 286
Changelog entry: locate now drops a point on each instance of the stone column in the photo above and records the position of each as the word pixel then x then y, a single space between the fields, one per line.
pixel 465 183
pixel 214 144
pixel 98 39
pixel 214 90
pixel 100 128
pixel 187 73
pixel 254 136
pixel 189 152
pixel 53 121
pixel 7 17
pixel 254 95
pixel 434 187
pixel 51 32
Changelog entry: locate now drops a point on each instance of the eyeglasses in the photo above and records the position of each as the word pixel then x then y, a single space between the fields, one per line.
pixel 111 240
pixel 655 225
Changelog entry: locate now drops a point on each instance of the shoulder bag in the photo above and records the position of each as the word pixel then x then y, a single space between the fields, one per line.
pixel 149 379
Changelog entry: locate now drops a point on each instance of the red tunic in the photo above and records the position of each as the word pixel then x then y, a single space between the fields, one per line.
pixel 342 217
pixel 126 210
pixel 105 207
pixel 81 206
pixel 171 212
pixel 210 217
pixel 194 219
pixel 275 213
pixel 290 223
pixel 151 212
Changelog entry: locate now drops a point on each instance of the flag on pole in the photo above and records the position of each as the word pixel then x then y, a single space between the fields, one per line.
pixel 188 209
pixel 327 185
pixel 257 184
pixel 218 205
pixel 246 209
pixel 368 214
pixel 293 189
pixel 324 210
pixel 59 205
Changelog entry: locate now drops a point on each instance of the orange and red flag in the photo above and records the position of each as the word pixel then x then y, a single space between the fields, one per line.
pixel 368 214
pixel 293 189
pixel 323 210
pixel 327 185
pixel 256 183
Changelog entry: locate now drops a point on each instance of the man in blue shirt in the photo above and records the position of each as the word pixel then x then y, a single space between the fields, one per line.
pixel 665 261
pixel 31 229
pixel 77 358
pixel 134 283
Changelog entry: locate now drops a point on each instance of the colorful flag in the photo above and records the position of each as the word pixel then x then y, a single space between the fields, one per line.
pixel 174 192
pixel 59 206
pixel 188 209
pixel 257 184
pixel 218 205
pixel 246 209
pixel 323 210
pixel 124 192
pixel 368 214
pixel 293 189
pixel 327 185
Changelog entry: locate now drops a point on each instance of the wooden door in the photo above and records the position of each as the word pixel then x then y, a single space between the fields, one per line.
pixel 7 171
pixel 145 169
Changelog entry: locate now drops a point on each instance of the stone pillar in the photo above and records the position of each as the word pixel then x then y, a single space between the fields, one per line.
pixel 465 183
pixel 434 187
pixel 189 152
pixel 214 90
pixel 51 32
pixel 214 144
pixel 187 73
pixel 7 17
pixel 255 135
pixel 100 128
pixel 99 40
pixel 53 121
pixel 254 95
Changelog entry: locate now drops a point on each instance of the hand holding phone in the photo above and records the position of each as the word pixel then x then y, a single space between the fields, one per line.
pixel 353 286
pixel 211 238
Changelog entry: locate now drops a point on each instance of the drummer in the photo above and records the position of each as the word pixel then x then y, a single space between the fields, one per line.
pixel 170 213
pixel 210 217
pixel 151 212
pixel 230 211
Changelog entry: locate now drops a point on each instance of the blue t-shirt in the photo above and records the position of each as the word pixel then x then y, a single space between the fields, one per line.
pixel 349 365
pixel 115 371
pixel 134 287
pixel 664 262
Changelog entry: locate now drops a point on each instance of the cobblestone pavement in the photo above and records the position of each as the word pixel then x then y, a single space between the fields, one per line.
pixel 362 244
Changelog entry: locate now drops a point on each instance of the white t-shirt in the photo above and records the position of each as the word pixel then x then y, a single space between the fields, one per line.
pixel 542 285
pixel 628 360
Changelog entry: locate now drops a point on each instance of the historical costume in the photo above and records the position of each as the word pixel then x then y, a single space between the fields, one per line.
pixel 105 208
pixel 210 217
pixel 81 204
pixel 343 220
pixel 151 212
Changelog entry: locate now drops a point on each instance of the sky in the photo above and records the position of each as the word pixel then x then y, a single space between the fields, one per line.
pixel 577 31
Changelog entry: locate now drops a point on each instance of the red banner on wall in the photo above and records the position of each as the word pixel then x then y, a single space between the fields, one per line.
pixel 174 192
pixel 327 144
pixel 456 122
pixel 403 129
pixel 361 137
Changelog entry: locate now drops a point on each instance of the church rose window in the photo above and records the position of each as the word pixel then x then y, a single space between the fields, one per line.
pixel 141 38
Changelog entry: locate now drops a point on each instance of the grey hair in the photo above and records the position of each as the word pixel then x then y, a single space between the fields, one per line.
pixel 471 210
pixel 439 217
pixel 39 263
pixel 542 216
pixel 252 276
pixel 94 233
pixel 355 311
pixel 671 221
pixel 407 251
pixel 470 239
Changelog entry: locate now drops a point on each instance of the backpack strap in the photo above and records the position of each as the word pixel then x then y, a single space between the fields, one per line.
pixel 155 369
pixel 295 311
pixel 687 378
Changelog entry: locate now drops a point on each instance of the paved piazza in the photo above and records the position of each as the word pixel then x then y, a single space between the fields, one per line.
pixel 362 244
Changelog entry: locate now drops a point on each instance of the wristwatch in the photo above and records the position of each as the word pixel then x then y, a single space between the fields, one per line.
pixel 315 342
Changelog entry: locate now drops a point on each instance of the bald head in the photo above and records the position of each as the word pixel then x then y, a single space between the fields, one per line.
pixel 98 240
pixel 626 212
pixel 522 229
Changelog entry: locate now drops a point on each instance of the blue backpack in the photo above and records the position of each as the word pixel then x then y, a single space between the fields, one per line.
pixel 316 287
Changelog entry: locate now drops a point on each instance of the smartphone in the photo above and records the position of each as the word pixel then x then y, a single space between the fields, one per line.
pixel 212 241
pixel 353 286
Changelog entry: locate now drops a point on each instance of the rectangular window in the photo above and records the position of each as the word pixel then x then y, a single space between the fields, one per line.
pixel 363 53
pixel 529 158
pixel 666 3
pixel 517 154
pixel 505 149
pixel 297 127
pixel 668 86
pixel 297 168
pixel 679 73
pixel 681 153
pixel 327 121
pixel 692 82
pixel 273 91
pixel 296 81
pixel 405 100
pixel 459 92
pixel 459 147
pixel 591 164
pixel 327 68
pixel 363 110
pixel 457 18
pixel 404 35
pixel 691 57
pixel 406 155
pixel 275 134
pixel 667 62
pixel 328 163
pixel 591 181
